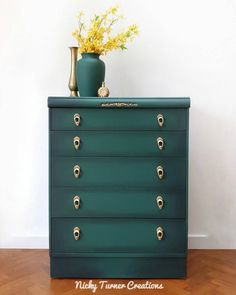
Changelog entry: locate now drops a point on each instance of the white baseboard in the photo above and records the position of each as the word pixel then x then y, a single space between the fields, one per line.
pixel 198 241
pixel 26 242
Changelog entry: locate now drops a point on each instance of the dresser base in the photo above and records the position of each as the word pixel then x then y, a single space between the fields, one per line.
pixel 122 267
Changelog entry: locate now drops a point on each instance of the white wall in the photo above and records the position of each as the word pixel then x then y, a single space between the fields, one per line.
pixel 185 48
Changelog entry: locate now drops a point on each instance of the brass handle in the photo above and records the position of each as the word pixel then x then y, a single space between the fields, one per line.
pixel 160 233
pixel 77 119
pixel 160 120
pixel 76 202
pixel 160 143
pixel 77 142
pixel 160 172
pixel 160 202
pixel 76 233
pixel 76 171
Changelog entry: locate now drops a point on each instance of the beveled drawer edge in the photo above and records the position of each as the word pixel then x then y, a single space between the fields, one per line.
pixel 117 254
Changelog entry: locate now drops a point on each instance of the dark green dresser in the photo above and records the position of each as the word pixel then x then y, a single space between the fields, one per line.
pixel 118 187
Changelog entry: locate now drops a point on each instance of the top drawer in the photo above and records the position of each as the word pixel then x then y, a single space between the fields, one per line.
pixel 117 119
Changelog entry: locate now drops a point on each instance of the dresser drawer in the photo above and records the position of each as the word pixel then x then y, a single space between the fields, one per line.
pixel 118 235
pixel 117 119
pixel 119 172
pixel 70 202
pixel 121 143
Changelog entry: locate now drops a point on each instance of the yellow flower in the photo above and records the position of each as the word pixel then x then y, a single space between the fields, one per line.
pixel 114 9
pixel 98 37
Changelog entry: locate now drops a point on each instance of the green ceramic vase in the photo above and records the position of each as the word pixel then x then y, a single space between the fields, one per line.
pixel 90 70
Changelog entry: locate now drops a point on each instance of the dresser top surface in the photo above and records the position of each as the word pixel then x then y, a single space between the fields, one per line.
pixel 119 102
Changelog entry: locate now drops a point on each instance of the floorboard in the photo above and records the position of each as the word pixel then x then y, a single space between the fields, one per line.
pixel 26 272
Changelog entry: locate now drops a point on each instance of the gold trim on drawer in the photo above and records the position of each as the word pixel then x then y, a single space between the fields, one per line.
pixel 119 104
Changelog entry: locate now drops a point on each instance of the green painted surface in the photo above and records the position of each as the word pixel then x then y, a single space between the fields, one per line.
pixel 118 143
pixel 118 235
pixel 118 203
pixel 119 172
pixel 90 73
pixel 118 186
pixel 118 119
pixel 139 102
pixel 102 267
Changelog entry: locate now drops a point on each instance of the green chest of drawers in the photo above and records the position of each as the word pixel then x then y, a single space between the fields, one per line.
pixel 118 187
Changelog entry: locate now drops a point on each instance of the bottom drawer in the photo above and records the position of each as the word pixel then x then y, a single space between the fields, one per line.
pixel 118 267
pixel 73 235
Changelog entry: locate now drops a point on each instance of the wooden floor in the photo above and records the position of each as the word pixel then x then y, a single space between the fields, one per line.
pixel 25 272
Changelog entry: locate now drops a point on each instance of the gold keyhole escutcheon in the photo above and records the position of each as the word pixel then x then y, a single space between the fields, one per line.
pixel 77 171
pixel 160 172
pixel 160 202
pixel 76 233
pixel 76 201
pixel 160 233
pixel 77 119
pixel 160 143
pixel 160 120
pixel 76 142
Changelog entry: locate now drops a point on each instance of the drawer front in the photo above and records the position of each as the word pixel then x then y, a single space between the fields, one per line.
pixel 123 143
pixel 119 172
pixel 118 235
pixel 117 119
pixel 70 202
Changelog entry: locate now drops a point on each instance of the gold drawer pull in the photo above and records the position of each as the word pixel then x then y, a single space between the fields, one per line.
pixel 160 202
pixel 160 143
pixel 160 172
pixel 160 120
pixel 77 119
pixel 77 171
pixel 77 142
pixel 76 202
pixel 160 233
pixel 76 233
